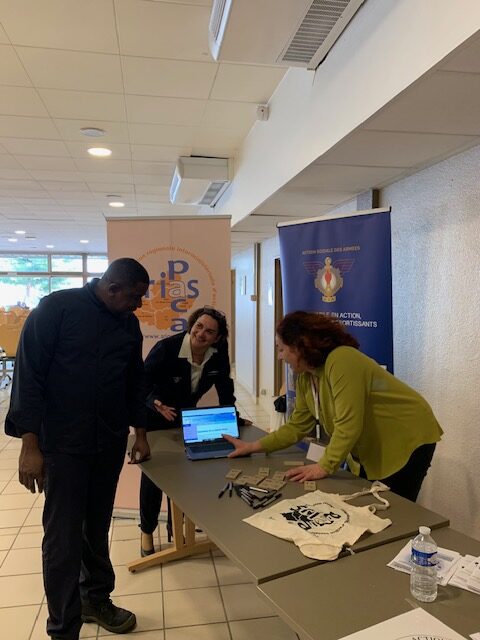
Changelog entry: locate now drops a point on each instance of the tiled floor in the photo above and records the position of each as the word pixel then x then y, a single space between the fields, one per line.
pixel 203 598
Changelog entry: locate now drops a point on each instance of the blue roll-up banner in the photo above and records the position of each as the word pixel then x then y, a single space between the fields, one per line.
pixel 342 267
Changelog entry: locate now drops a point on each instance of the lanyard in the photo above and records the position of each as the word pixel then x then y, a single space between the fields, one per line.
pixel 316 403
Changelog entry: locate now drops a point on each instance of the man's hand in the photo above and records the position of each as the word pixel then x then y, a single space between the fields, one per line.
pixel 169 413
pixel 242 448
pixel 30 463
pixel 141 449
pixel 307 472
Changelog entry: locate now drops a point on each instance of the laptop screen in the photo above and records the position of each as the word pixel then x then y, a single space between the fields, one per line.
pixel 204 424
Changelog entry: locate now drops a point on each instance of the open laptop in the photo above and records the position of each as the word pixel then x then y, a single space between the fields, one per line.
pixel 202 431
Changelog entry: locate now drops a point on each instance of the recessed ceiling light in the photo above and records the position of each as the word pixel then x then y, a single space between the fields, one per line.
pixel 84 241
pixel 99 152
pixel 13 239
pixel 116 203
pixel 20 232
pixel 92 132
pixel 50 246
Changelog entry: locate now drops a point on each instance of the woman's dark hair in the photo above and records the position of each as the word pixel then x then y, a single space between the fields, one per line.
pixel 314 335
pixel 216 315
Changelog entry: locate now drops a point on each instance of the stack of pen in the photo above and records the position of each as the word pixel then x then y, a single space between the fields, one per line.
pixel 251 496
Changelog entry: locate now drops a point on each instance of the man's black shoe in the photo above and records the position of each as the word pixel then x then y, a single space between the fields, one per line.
pixel 108 616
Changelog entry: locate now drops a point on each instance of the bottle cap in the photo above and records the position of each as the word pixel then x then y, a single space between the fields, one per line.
pixel 425 531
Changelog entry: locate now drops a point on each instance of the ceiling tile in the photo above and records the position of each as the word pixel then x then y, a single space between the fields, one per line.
pixel 169 78
pixel 23 127
pixel 84 105
pixel 70 130
pixel 246 83
pixel 61 24
pixel 115 188
pixel 14 174
pixel 445 102
pixel 119 178
pixel 3 36
pixel 11 70
pixel 21 101
pixel 209 137
pixel 163 30
pixel 467 59
pixel 104 165
pixel 142 179
pixel 154 168
pixel 50 164
pixel 152 153
pixel 160 134
pixel 239 116
pixel 18 186
pixel 343 177
pixel 54 186
pixel 154 190
pixel 80 149
pixel 25 147
pixel 392 149
pixel 155 110
pixel 75 70
pixel 8 162
pixel 61 176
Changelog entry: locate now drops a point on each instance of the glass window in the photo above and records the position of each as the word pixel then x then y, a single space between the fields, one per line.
pixel 23 291
pixel 18 263
pixel 67 263
pixel 65 282
pixel 97 264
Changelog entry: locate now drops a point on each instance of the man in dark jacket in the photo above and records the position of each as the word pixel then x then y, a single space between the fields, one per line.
pixel 78 385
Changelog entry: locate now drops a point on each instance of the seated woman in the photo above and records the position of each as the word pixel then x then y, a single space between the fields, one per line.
pixel 180 369
pixel 384 429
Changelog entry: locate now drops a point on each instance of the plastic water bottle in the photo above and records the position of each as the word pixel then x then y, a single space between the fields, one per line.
pixel 423 577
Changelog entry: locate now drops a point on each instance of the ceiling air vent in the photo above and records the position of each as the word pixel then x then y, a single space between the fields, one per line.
pixel 296 33
pixel 199 180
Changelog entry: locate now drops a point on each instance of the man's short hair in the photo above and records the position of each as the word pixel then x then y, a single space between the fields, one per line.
pixel 126 272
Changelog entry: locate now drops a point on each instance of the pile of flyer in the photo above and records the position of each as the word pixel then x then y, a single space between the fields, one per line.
pixel 454 569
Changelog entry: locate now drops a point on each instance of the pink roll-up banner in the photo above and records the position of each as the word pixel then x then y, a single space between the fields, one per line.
pixel 188 260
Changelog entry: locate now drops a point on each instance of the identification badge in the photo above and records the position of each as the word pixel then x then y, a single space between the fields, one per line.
pixel 315 451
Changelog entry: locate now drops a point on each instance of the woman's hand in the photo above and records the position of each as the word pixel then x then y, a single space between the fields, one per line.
pixel 169 413
pixel 141 449
pixel 242 448
pixel 307 472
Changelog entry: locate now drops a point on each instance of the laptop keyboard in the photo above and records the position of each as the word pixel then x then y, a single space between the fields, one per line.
pixel 221 446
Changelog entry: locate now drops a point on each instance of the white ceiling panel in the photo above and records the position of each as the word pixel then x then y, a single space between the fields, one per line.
pixel 70 130
pixel 211 138
pixel 153 190
pixel 21 101
pixel 56 186
pixel 445 102
pixel 3 36
pixel 246 83
pixel 60 176
pixel 61 24
pixel 23 127
pixel 48 163
pixel 79 149
pixel 142 179
pixel 84 105
pixel 160 134
pixel 14 174
pixel 163 30
pixel 154 168
pixel 239 116
pixel 74 70
pixel 11 70
pixel 93 177
pixel 155 110
pixel 18 186
pixel 169 78
pixel 153 153
pixel 9 162
pixel 467 59
pixel 103 165
pixel 25 147
pixel 343 177
pixel 393 149
pixel 203 3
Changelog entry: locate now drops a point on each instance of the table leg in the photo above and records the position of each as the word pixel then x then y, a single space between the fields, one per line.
pixel 184 544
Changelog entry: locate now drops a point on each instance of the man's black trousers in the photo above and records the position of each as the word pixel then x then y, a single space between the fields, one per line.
pixel 79 495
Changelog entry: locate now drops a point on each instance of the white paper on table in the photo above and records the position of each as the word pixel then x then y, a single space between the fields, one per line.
pixel 447 562
pixel 475 636
pixel 315 451
pixel 412 625
pixel 467 574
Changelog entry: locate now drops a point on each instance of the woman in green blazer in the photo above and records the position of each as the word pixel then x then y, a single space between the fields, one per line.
pixel 383 428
